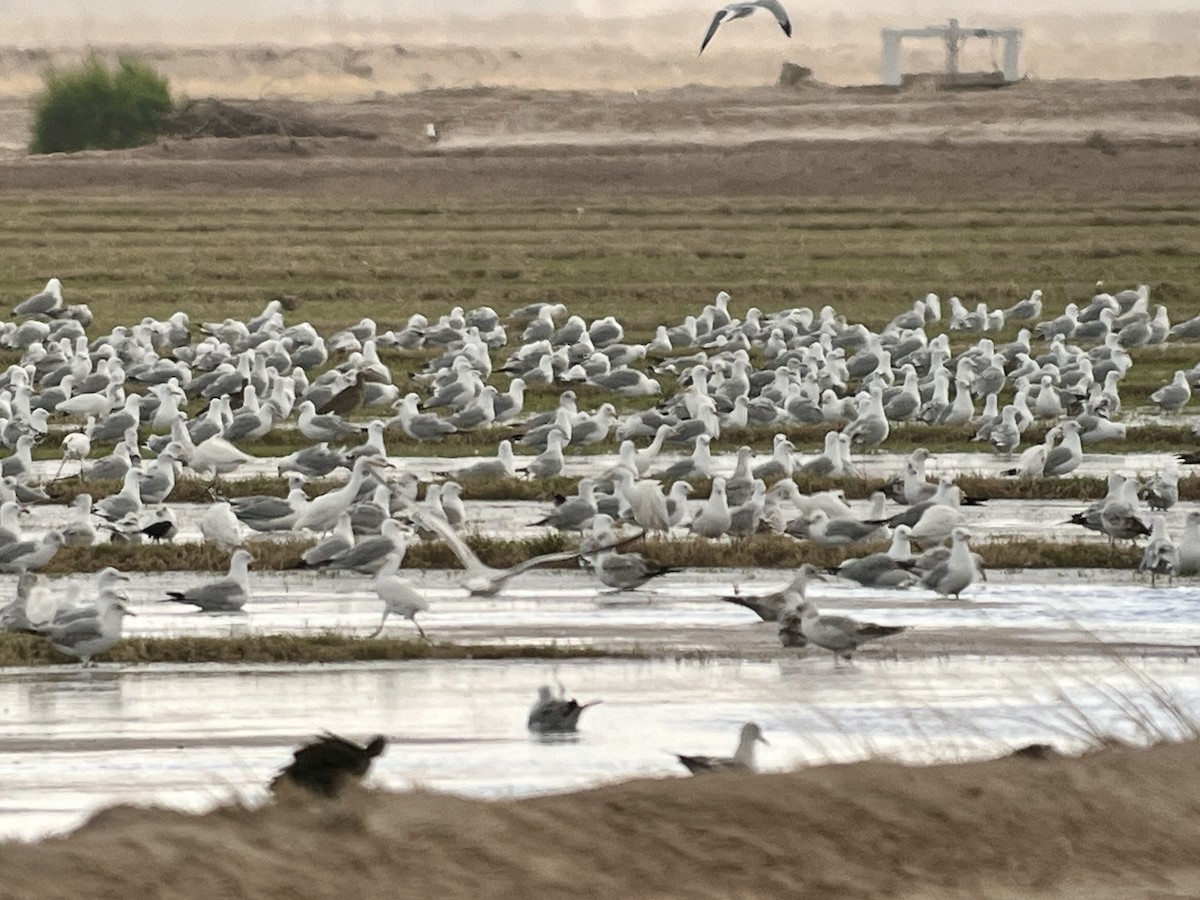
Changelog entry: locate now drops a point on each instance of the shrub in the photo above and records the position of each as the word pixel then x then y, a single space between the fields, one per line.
pixel 93 108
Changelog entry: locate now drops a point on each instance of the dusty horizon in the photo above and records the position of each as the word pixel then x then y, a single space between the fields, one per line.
pixel 340 56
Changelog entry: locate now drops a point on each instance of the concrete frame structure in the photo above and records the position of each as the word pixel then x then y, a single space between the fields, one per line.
pixel 952 35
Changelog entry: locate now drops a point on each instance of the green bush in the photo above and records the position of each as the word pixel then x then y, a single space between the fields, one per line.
pixel 93 108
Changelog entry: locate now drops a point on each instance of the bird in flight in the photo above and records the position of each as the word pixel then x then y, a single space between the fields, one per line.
pixel 741 10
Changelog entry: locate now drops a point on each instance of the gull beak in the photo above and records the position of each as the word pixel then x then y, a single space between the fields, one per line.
pixel 764 740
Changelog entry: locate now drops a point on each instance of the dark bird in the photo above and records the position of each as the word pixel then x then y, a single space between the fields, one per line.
pixel 555 715
pixel 323 766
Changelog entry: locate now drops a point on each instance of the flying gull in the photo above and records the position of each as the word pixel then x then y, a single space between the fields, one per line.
pixel 741 10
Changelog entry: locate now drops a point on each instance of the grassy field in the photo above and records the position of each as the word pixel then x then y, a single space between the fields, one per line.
pixel 650 262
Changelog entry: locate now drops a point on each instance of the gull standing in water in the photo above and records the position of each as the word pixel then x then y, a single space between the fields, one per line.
pixel 741 761
pixel 555 715
pixel 398 594
pixel 958 572
pixel 90 630
pixel 840 635
pixel 229 594
pixel 741 10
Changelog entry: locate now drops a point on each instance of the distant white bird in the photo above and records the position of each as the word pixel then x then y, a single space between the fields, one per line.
pixel 221 527
pixel 741 10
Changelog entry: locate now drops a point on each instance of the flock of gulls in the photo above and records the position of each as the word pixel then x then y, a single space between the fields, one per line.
pixel 160 401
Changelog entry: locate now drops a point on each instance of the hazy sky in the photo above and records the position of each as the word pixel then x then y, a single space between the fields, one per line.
pixel 433 9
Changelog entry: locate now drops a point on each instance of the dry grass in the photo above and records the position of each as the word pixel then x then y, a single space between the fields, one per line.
pixel 1114 824
pixel 29 650
pixel 762 550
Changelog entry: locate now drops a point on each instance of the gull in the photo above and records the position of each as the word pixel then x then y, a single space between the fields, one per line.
pixel 398 594
pixel 27 556
pixel 1162 491
pixel 838 532
pixel 321 513
pixel 323 428
pixel 713 520
pixel 370 553
pixel 960 569
pixel 45 302
pixel 316 461
pixel 1161 556
pixel 1067 456
pixel 1189 545
pixel 218 456
pixel 698 465
pixel 574 514
pixel 340 541
pixel 90 631
pixel 741 761
pixel 626 571
pixel 262 513
pixel 550 461
pixel 840 635
pixel 503 466
pixel 374 445
pixel 220 527
pixel 877 570
pixel 677 505
pixel 648 505
pixel 1174 396
pixel 127 502
pixel 228 594
pixel 77 446
pixel 555 715
pixel 325 765
pixel 481 580
pixel 768 606
pixel 741 10
pixel 79 531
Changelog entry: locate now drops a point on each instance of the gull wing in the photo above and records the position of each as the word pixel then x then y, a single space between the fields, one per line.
pixel 712 29
pixel 547 559
pixel 780 14
pixel 465 554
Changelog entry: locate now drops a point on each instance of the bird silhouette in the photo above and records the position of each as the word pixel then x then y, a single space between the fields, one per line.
pixel 323 766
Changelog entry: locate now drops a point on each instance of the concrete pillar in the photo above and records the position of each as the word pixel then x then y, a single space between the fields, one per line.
pixel 1012 56
pixel 891 57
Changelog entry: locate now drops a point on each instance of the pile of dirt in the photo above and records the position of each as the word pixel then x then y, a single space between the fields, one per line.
pixel 1119 823
pixel 210 117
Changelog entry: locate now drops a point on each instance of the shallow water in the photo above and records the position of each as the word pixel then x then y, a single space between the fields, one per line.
pixel 192 736
pixel 872 465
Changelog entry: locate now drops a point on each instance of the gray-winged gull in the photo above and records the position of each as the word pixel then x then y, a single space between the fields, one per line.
pixel 228 594
pixel 742 760
pixel 840 635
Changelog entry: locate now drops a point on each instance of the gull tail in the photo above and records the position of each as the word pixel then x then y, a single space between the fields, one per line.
pixel 871 630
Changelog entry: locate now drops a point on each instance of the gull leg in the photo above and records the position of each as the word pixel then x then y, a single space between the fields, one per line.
pixel 420 630
pixel 62 463
pixel 379 630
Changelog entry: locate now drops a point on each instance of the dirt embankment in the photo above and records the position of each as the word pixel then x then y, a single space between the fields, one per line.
pixel 1120 823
